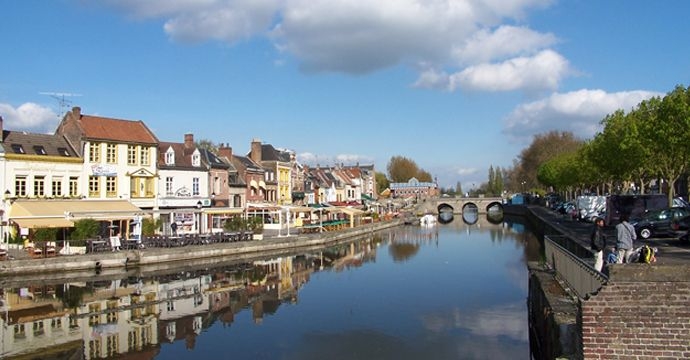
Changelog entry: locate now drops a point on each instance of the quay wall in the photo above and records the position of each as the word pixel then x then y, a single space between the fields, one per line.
pixel 150 257
pixel 642 312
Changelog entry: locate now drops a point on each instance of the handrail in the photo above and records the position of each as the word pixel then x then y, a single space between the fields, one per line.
pixel 578 274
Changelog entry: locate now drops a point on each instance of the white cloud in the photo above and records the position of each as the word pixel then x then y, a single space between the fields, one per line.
pixel 542 71
pixel 28 116
pixel 578 111
pixel 505 42
pixel 502 320
pixel 464 38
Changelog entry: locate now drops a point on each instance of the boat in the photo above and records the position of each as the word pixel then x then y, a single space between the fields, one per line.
pixel 427 220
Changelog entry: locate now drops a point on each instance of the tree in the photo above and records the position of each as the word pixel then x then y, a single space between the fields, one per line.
pixel 424 176
pixel 667 129
pixel 401 169
pixel 458 188
pixel 382 182
pixel 208 145
pixel 543 148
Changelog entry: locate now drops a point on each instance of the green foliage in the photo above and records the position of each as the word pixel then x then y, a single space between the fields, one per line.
pixel 150 226
pixel 255 224
pixel 648 143
pixel 237 223
pixel 382 182
pixel 45 234
pixel 85 229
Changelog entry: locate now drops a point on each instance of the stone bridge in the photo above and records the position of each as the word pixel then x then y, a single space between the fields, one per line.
pixel 458 204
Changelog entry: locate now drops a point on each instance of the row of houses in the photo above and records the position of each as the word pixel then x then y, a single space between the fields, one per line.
pixel 106 168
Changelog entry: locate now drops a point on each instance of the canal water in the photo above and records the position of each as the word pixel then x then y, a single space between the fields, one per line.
pixel 454 291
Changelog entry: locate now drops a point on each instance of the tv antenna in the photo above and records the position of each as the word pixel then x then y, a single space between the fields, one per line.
pixel 62 99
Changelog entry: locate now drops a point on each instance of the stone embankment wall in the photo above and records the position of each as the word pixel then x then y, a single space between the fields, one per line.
pixel 642 313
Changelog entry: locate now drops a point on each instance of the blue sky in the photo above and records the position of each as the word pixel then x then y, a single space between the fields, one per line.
pixel 455 85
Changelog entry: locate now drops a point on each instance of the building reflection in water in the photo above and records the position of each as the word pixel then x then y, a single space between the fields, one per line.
pixel 132 317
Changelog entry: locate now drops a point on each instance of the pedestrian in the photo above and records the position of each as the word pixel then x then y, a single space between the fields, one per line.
pixel 625 236
pixel 598 243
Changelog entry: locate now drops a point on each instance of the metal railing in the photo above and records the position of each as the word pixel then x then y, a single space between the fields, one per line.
pixel 580 276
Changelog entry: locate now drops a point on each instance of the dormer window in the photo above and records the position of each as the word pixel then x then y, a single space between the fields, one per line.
pixel 196 158
pixel 170 157
pixel 17 148
pixel 39 150
pixel 63 151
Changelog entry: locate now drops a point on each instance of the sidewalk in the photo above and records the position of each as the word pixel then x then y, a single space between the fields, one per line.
pixel 670 250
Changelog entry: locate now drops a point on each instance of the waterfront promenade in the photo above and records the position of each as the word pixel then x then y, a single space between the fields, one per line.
pixel 103 261
pixel 670 250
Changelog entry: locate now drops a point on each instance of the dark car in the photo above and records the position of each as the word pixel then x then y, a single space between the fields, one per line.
pixel 658 222
pixel 681 228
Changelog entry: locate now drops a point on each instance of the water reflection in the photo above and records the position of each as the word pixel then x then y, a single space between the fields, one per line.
pixel 441 303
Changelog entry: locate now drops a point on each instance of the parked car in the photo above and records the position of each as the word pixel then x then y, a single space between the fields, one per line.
pixel 681 228
pixel 658 222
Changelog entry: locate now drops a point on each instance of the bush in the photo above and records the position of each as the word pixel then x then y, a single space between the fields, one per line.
pixel 85 229
pixel 45 234
pixel 237 223
pixel 150 226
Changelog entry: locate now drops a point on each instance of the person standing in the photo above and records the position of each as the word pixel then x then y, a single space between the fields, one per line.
pixel 625 234
pixel 598 243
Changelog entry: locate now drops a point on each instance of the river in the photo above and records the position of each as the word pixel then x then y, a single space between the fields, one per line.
pixel 454 291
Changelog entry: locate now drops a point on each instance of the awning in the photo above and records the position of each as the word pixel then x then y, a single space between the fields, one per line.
pixel 223 210
pixel 262 184
pixel 254 184
pixel 63 213
pixel 367 197
pixel 352 211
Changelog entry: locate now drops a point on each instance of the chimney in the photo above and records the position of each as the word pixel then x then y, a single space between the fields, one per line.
pixel 225 150
pixel 255 153
pixel 76 112
pixel 188 141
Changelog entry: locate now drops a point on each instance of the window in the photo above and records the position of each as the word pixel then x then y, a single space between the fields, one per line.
pixel 94 317
pixel 131 154
pixel 94 152
pixel 196 158
pixel 20 186
pixel 38 328
pixel 19 331
pixel 39 186
pixel 111 345
pixel 141 187
pixel 17 148
pixel 94 186
pixel 56 188
pixel 170 157
pixel 40 150
pixel 195 186
pixel 169 186
pixel 56 324
pixel 145 156
pixel 73 186
pixel 111 153
pixel 63 151
pixel 94 349
pixel 111 186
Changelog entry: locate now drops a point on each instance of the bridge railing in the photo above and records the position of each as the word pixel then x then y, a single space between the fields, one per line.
pixel 580 276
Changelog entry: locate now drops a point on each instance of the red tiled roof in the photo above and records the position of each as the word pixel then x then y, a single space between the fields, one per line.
pixel 128 131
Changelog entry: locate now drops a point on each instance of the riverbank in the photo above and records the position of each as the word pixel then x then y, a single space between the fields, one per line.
pixel 130 259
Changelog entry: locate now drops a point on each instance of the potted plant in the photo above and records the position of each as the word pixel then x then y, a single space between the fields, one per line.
pixel 256 226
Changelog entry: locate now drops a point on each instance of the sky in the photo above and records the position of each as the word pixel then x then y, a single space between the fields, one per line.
pixel 455 85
